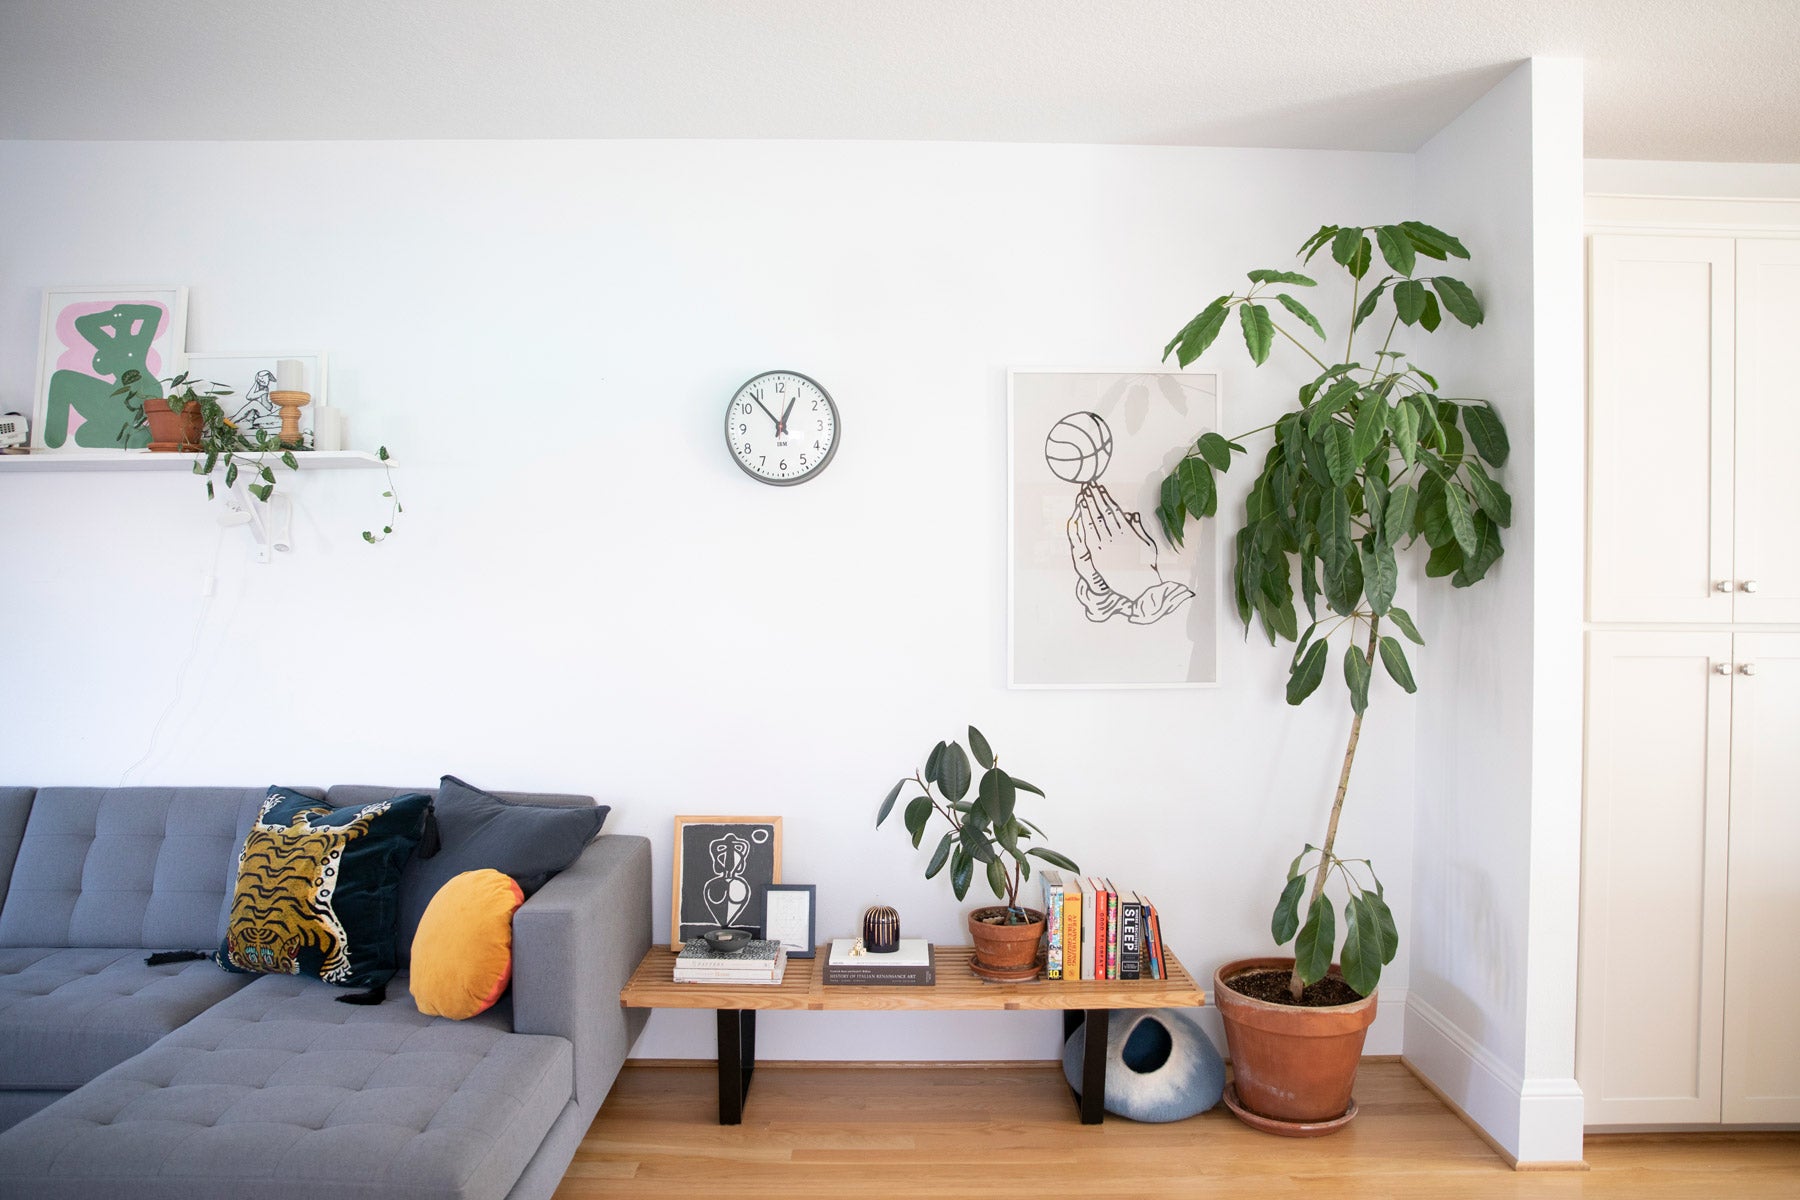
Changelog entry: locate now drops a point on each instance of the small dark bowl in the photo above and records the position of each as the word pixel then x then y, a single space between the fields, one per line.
pixel 726 941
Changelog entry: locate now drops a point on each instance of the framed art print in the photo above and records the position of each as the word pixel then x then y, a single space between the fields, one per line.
pixel 790 911
pixel 87 338
pixel 251 377
pixel 723 869
pixel 1097 596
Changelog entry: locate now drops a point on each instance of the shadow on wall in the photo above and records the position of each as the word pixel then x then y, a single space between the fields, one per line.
pixel 1474 935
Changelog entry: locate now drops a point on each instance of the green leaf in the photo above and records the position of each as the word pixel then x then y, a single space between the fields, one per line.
pixel 367 536
pixel 1362 947
pixel 1356 678
pixel 1445 560
pixel 1396 247
pixel 231 474
pixel 934 762
pixel 1198 333
pixel 1381 575
pixel 954 775
pixel 962 872
pixel 1458 299
pixel 1403 506
pixel 978 746
pixel 261 491
pixel 382 454
pixel 1432 316
pixel 1293 277
pixel 1286 921
pixel 289 461
pixel 1462 525
pixel 887 806
pixel 1336 537
pixel 1487 552
pixel 1311 246
pixel 1312 949
pixel 1427 239
pixel 1300 310
pixel 1172 512
pixel 1409 301
pixel 1366 309
pixel 975 843
pixel 1393 657
pixel 1383 916
pixel 1259 331
pixel 1304 680
pixel 1022 786
pixel 1294 867
pixel 1215 450
pixel 1053 858
pixel 998 795
pixel 1330 404
pixel 1404 623
pixel 940 856
pixel 1350 249
pixel 1198 493
pixel 1488 434
pixel 1405 422
pixel 996 877
pixel 918 811
pixel 1490 495
pixel 1340 452
pixel 1371 423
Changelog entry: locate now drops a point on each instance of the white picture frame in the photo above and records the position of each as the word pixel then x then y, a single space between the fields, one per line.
pixel 790 917
pixel 1077 510
pixel 88 337
pixel 248 403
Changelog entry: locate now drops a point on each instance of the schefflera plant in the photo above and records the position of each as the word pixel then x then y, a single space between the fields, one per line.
pixel 985 829
pixel 1370 460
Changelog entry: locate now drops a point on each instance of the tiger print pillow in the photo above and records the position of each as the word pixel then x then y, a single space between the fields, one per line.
pixel 318 889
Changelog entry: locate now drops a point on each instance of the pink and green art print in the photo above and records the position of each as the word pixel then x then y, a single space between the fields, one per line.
pixel 89 338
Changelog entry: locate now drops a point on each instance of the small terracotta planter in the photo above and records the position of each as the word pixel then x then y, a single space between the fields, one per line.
pixel 1006 952
pixel 170 430
pixel 1293 1067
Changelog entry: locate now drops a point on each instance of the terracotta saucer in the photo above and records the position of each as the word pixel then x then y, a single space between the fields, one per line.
pixel 1014 975
pixel 1286 1128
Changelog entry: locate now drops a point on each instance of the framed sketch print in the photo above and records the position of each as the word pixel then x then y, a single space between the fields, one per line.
pixel 1097 596
pixel 790 911
pixel 723 869
pixel 87 338
pixel 251 377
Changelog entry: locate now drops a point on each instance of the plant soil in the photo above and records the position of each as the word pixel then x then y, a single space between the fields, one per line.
pixel 1272 986
pixel 1004 916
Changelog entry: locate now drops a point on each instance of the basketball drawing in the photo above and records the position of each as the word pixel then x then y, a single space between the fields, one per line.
pixel 1079 447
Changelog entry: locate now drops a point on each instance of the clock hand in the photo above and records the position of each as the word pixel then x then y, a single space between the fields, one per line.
pixel 770 415
pixel 781 426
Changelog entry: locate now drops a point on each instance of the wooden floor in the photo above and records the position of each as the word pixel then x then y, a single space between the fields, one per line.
pixel 872 1132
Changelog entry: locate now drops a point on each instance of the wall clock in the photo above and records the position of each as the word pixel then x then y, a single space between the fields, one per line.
pixel 781 427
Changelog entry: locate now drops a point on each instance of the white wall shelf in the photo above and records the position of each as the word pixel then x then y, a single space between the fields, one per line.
pixel 147 460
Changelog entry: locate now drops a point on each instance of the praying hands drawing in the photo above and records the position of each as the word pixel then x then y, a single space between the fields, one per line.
pixel 1115 562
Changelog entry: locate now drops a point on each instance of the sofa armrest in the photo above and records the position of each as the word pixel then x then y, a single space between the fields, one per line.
pixel 575 944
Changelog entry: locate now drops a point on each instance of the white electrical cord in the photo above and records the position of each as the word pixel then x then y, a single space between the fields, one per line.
pixel 226 521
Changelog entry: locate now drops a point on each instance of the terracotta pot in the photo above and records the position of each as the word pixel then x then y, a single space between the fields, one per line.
pixel 1007 948
pixel 1291 1064
pixel 170 430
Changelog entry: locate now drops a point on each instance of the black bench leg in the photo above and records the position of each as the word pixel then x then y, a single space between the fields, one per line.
pixel 737 1061
pixel 1092 1097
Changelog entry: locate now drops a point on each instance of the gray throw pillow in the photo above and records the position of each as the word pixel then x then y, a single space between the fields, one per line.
pixel 477 830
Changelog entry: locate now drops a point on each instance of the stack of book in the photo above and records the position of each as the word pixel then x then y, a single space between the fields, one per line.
pixel 1098 931
pixel 760 961
pixel 912 965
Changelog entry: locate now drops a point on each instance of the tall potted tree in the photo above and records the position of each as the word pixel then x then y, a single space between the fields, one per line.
pixel 1370 460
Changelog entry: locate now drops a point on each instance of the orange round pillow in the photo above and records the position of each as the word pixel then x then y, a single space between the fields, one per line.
pixel 462 954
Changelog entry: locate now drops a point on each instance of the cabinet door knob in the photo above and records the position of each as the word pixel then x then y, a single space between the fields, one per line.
pixel 1721 668
pixel 1749 585
pixel 1746 668
pixel 1722 585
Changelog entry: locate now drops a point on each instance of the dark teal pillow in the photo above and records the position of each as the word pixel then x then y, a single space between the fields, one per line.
pixel 318 889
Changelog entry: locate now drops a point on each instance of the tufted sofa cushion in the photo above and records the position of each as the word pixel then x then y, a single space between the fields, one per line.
pixel 280 1092
pixel 15 806
pixel 114 867
pixel 67 1015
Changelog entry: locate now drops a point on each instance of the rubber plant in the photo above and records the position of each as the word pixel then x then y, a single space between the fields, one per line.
pixel 1370 460
pixel 987 829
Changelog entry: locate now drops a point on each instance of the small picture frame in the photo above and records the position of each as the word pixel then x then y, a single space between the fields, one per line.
pixel 790 913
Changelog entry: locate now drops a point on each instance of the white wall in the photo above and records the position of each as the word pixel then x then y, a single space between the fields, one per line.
pixel 585 594
pixel 1496 868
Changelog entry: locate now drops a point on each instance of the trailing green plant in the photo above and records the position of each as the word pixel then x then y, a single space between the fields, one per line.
pixel 986 829
pixel 222 443
pixel 1369 461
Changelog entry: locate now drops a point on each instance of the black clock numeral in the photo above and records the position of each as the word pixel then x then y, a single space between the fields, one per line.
pixel 803 460
pixel 743 429
pixel 780 387
pixel 762 460
pixel 816 446
pixel 783 465
pixel 821 425
pixel 744 408
pixel 815 406
pixel 747 450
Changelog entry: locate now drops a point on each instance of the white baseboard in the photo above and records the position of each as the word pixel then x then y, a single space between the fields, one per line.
pixel 1533 1122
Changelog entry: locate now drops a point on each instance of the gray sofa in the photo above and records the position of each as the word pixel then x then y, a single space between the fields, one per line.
pixel 181 1080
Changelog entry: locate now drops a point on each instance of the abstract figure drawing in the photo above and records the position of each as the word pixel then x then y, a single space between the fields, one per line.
pixel 727 892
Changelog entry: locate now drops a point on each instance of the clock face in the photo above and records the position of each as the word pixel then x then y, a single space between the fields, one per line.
pixel 782 427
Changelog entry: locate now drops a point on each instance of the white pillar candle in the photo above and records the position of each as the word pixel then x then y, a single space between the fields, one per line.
pixel 328 428
pixel 290 375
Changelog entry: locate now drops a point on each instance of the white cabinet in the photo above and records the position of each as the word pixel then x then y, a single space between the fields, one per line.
pixel 1691 827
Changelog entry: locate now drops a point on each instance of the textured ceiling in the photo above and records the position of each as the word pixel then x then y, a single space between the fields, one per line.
pixel 1677 79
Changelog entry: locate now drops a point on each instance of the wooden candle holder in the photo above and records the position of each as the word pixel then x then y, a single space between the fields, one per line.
pixel 290 404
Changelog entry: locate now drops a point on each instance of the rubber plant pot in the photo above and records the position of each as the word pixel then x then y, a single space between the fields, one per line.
pixel 1006 952
pixel 170 430
pixel 1293 1068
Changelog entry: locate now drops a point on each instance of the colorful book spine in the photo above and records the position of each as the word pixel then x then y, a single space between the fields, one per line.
pixel 1112 930
pixel 1090 901
pixel 1053 943
pixel 1156 946
pixel 1131 936
pixel 1071 927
